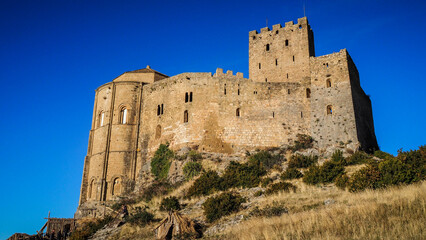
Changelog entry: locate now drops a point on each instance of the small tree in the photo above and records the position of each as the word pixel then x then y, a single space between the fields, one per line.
pixel 160 163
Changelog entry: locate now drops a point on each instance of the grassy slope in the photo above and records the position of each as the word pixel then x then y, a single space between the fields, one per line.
pixel 394 213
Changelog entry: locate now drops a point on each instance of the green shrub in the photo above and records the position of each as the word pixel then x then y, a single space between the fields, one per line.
pixel 303 142
pixel 157 188
pixel 206 184
pixel 160 163
pixel 194 155
pixel 191 169
pixel 280 187
pixel 291 173
pixel 342 181
pixel 222 205
pixel 90 228
pixel 358 157
pixel 244 175
pixel 337 156
pixel 383 155
pixel 170 203
pixel 274 210
pixel 365 178
pixel 266 159
pixel 395 171
pixel 313 175
pixel 140 217
pixel 330 171
pixel 300 161
pixel 265 182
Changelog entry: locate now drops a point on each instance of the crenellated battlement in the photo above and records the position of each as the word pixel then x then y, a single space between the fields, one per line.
pixel 289 26
pixel 220 73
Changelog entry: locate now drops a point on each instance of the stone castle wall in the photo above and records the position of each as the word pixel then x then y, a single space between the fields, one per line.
pixel 226 113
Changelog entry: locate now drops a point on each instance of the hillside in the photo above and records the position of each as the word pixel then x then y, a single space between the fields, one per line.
pixel 263 195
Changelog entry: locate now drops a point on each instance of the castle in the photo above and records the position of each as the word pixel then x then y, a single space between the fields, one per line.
pixel 289 92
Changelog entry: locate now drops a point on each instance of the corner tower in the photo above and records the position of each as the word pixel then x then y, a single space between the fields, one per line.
pixel 281 54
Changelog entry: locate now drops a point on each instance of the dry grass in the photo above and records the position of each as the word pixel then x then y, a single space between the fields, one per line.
pixel 395 213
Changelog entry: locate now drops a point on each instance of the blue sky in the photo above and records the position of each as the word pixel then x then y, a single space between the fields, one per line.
pixel 54 54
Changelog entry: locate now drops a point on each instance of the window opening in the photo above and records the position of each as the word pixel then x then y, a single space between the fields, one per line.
pixel 266 80
pixel 288 91
pixel 328 83
pixel 186 97
pixel 260 66
pixel 267 47
pixel 301 114
pixel 162 109
pixel 185 116
pixel 123 115
pixel 237 112
pixel 329 110
pixel 308 93
pixel 238 91
pixel 276 62
pixel 273 114
pixel 287 75
pixel 158 110
pixel 293 58
pixel 190 96
pixel 286 42
pixel 300 26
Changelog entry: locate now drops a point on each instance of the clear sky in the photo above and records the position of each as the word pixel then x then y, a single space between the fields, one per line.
pixel 54 54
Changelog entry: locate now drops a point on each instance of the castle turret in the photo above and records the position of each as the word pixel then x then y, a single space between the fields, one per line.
pixel 281 54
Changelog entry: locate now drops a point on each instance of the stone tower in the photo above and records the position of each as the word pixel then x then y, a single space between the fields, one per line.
pixel 281 54
pixel 110 164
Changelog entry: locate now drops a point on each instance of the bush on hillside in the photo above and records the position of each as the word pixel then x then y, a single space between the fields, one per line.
pixel 222 205
pixel 358 157
pixel 244 175
pixel 337 156
pixel 280 187
pixel 365 178
pixel 291 173
pixel 157 188
pixel 313 175
pixel 191 169
pixel 300 161
pixel 383 155
pixel 342 181
pixel 266 159
pixel 274 210
pixel 194 155
pixel 266 181
pixel 303 142
pixel 170 203
pixel 330 171
pixel 206 184
pixel 140 217
pixel 160 163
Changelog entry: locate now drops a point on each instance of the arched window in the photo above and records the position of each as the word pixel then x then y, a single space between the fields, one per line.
pixel 237 112
pixel 116 187
pixel 267 47
pixel 328 83
pixel 123 115
pixel 185 116
pixel 308 93
pixel 101 118
pixel 329 110
pixel 158 132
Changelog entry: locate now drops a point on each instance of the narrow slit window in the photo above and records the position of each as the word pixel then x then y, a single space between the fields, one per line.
pixel 267 47
pixel 329 110
pixel 301 114
pixel 158 110
pixel 101 119
pixel 288 91
pixel 224 89
pixel 186 97
pixel 237 112
pixel 123 115
pixel 162 109
pixel 287 75
pixel 273 114
pixel 260 66
pixel 293 58
pixel 308 93
pixel 328 83
pixel 286 42
pixel 190 96
pixel 276 62
pixel 185 116
pixel 238 91
pixel 266 80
